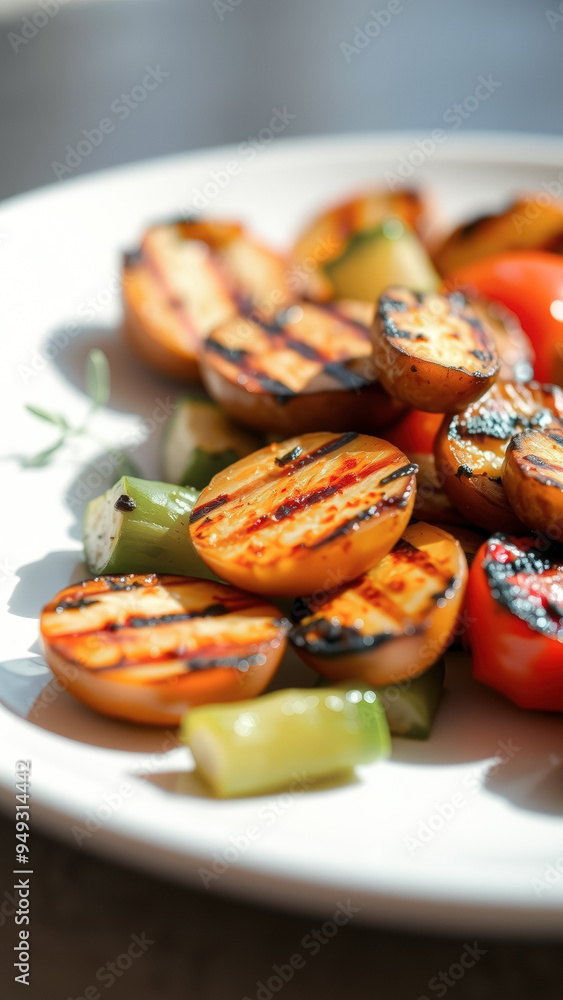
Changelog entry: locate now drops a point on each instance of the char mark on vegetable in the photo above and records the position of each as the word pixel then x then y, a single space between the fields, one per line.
pixel 405 470
pixel 70 605
pixel 137 621
pixel 289 456
pixel 207 508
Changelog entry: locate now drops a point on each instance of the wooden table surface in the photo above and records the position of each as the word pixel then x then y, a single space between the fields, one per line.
pixel 198 946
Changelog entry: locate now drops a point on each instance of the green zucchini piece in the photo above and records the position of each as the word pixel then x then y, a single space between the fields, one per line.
pixel 410 705
pixel 287 738
pixel 140 526
pixel 200 440
pixel 390 254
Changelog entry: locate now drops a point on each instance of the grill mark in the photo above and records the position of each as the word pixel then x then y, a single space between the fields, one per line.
pixel 346 376
pixel 290 456
pixel 171 298
pixel 347 526
pixel 206 508
pixel 74 605
pixel 304 350
pixel 138 621
pixel 325 449
pixel 546 480
pixel 405 470
pixel 304 501
pixel 332 310
pixel 172 618
pixel 540 463
pixel 302 462
pixel 556 437
pixel 336 639
pixel 196 664
pixel 233 354
pixel 239 358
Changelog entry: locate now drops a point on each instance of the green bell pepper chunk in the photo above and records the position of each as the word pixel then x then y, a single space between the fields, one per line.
pixel 297 735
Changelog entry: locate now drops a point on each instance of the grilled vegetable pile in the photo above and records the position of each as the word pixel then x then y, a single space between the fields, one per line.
pixel 374 415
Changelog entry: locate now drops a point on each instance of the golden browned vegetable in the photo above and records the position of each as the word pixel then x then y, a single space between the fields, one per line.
pixel 513 347
pixel 534 222
pixel 470 448
pixel 355 225
pixel 308 369
pixel 532 477
pixel 395 620
pixel 187 278
pixel 147 648
pixel 431 351
pixel 306 514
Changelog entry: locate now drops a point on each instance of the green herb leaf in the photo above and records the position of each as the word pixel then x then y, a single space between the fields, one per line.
pixel 98 380
pixel 52 418
pixel 43 457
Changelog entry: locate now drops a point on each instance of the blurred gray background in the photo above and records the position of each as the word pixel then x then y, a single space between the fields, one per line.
pixel 63 69
pixel 230 62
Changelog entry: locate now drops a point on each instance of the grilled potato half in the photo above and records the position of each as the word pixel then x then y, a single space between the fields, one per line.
pixel 513 347
pixel 533 222
pixel 395 620
pixel 431 351
pixel 308 369
pixel 189 277
pixel 470 448
pixel 306 514
pixel 532 477
pixel 328 238
pixel 147 648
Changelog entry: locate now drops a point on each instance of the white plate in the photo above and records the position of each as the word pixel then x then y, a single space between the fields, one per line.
pixel 59 252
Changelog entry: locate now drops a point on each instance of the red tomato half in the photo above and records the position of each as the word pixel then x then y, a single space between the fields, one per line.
pixel 530 283
pixel 515 610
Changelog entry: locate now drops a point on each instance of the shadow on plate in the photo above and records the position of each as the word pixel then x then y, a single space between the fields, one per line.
pixel 189 784
pixel 134 387
pixel 39 581
pixel 532 783
pixel 29 690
